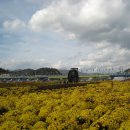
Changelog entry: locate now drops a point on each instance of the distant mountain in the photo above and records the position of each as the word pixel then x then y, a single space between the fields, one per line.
pixel 40 71
pixel 23 72
pixel 47 71
pixel 31 72
pixel 3 71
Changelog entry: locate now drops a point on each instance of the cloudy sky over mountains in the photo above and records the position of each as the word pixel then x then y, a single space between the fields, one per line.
pixel 64 33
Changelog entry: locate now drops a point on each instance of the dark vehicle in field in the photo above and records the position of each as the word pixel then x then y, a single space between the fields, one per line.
pixel 73 75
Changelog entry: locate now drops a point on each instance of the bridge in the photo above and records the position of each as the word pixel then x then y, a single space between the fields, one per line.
pixel 119 75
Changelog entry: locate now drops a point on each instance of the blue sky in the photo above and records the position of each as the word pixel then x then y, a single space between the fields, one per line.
pixel 64 34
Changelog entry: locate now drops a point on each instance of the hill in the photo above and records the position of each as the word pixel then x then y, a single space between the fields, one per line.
pixel 3 71
pixel 31 72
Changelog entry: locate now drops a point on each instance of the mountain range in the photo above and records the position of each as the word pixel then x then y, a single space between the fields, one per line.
pixel 31 72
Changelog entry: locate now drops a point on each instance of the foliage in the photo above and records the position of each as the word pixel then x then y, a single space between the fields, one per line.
pixel 92 107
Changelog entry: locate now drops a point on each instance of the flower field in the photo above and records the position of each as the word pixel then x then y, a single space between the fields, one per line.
pixel 99 106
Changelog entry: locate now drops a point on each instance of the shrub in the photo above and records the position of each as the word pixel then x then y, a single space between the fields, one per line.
pixel 12 115
pixel 40 125
pixel 10 125
pixel 28 118
pixel 125 125
pixel 30 108
pixel 43 113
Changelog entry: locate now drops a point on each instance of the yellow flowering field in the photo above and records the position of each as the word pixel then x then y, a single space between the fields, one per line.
pixel 97 106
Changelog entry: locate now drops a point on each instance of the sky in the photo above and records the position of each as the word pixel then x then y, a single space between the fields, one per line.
pixel 64 33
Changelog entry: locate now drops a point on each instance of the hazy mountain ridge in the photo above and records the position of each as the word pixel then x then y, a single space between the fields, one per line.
pixel 40 71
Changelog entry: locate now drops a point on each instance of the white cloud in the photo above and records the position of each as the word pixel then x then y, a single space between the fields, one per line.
pixel 101 25
pixel 24 64
pixel 102 45
pixel 43 19
pixel 58 65
pixel 91 20
pixel 107 57
pixel 13 25
pixel 71 36
pixel 100 58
